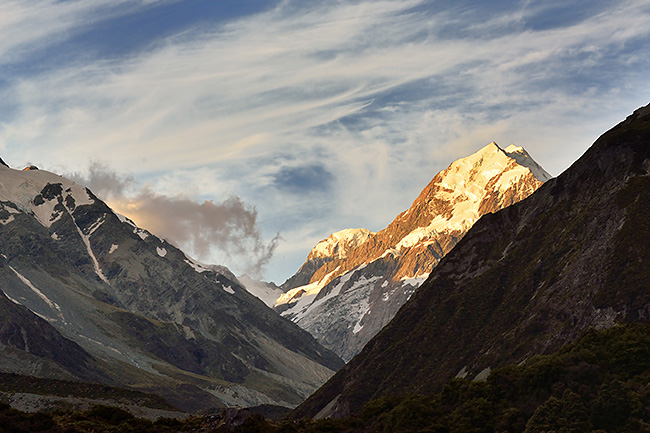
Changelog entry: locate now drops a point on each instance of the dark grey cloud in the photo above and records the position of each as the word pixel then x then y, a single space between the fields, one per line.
pixel 304 179
pixel 205 229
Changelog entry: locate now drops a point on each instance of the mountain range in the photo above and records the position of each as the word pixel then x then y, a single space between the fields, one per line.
pixel 355 281
pixel 86 295
pixel 536 320
pixel 523 281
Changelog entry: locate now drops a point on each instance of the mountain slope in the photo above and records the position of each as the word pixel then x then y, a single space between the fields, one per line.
pixel 31 343
pixel 266 292
pixel 355 281
pixel 151 317
pixel 523 281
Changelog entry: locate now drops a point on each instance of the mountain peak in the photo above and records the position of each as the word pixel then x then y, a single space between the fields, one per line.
pixel 522 157
pixel 338 244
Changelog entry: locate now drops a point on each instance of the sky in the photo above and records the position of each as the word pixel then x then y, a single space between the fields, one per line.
pixel 245 131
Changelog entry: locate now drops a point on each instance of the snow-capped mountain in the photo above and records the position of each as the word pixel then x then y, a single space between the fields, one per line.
pixel 527 280
pixel 139 311
pixel 354 281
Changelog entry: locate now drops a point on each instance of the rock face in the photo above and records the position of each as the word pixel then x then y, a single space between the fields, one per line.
pixel 523 281
pixel 133 310
pixel 355 281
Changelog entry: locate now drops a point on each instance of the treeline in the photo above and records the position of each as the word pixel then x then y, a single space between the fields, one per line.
pixel 601 383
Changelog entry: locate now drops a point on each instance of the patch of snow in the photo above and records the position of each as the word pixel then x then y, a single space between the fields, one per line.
pixel 391 251
pixel 462 374
pixel 96 224
pixel 198 267
pixel 415 281
pixel 161 251
pixel 113 248
pixel 15 301
pixel 99 343
pixel 55 236
pixel 362 305
pixel 45 213
pixel 522 157
pixel 124 219
pixel 44 317
pixel 304 297
pixel 228 289
pixel 357 327
pixel 8 220
pixel 142 233
pixel 483 374
pixel 35 290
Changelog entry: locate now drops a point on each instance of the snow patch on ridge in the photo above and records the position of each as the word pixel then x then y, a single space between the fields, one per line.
pixel 142 233
pixel 198 267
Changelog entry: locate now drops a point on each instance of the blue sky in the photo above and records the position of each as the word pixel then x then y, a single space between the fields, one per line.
pixel 301 117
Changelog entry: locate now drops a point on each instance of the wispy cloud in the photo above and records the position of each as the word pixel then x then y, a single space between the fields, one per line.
pixel 31 26
pixel 357 103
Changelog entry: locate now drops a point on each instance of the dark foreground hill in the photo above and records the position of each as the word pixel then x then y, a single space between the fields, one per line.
pixel 524 281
